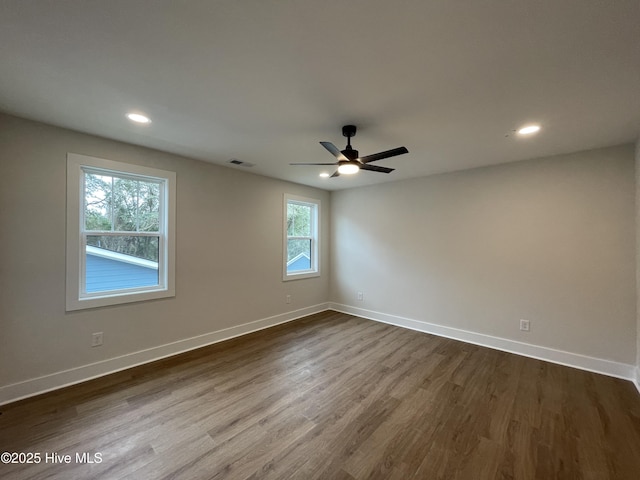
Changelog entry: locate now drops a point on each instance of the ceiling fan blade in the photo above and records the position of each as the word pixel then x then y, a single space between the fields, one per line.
pixel 374 168
pixel 334 150
pixel 314 163
pixel 336 174
pixel 389 153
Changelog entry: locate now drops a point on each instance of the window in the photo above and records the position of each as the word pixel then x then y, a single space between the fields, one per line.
pixel 120 232
pixel 301 234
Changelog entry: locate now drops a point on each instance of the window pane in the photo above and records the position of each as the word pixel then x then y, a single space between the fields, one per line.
pixel 125 204
pixel 148 207
pixel 115 263
pixel 145 248
pixel 298 255
pixel 97 202
pixel 298 220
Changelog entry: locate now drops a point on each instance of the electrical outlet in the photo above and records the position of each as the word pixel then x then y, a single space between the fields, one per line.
pixel 360 296
pixel 525 325
pixel 288 298
pixel 96 339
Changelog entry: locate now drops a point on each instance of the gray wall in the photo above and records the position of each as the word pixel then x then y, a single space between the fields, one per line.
pixel 549 240
pixel 229 254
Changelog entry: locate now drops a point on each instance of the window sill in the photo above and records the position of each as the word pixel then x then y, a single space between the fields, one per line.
pixel 299 276
pixel 117 299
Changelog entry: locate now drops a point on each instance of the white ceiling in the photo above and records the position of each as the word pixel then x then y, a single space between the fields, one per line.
pixel 264 81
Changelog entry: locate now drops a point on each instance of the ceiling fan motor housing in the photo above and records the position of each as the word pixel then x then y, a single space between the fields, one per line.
pixel 349 131
pixel 350 153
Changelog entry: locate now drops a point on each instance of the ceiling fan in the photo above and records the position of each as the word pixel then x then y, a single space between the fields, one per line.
pixel 348 160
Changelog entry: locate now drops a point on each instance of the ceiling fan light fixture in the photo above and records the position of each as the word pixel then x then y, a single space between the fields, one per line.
pixel 348 168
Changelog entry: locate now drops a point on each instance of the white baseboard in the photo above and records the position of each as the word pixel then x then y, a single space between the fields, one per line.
pixel 54 381
pixel 583 362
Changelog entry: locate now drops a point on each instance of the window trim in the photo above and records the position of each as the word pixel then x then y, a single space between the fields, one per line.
pixel 315 238
pixel 76 251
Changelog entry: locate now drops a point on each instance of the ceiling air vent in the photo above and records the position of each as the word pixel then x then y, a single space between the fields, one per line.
pixel 240 163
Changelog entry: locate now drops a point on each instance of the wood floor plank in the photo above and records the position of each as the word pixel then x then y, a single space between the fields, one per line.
pixel 333 396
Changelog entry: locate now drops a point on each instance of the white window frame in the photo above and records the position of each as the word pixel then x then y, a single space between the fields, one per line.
pixel 314 271
pixel 76 299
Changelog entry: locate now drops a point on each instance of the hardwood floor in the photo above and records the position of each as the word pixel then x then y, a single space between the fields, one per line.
pixel 334 397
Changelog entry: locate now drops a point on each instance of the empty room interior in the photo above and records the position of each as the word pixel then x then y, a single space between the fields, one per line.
pixel 319 240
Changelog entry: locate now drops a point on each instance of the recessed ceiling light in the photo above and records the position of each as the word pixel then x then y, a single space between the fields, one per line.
pixel 529 129
pixel 138 118
pixel 324 174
